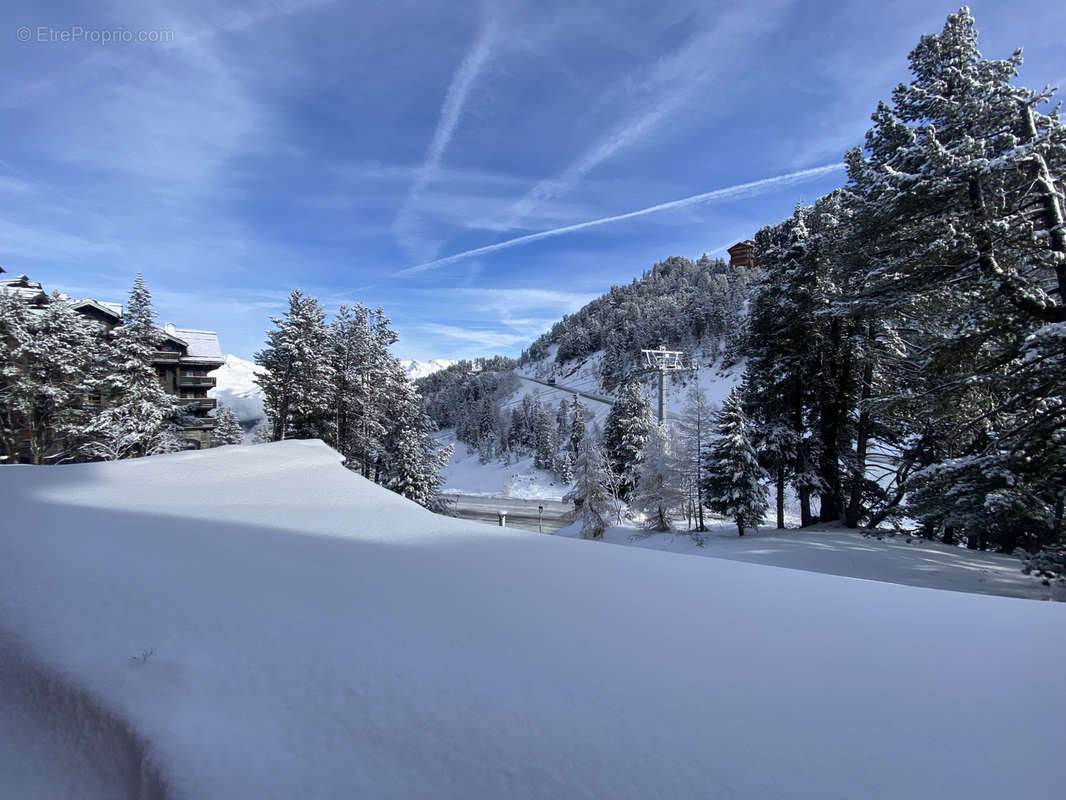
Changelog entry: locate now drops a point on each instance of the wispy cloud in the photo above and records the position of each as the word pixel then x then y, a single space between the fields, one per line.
pixel 451 112
pixel 662 92
pixel 481 337
pixel 726 193
pixel 510 299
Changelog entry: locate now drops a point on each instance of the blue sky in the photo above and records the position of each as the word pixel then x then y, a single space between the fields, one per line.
pixel 342 147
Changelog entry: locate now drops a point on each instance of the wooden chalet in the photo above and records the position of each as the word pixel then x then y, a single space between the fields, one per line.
pixel 742 254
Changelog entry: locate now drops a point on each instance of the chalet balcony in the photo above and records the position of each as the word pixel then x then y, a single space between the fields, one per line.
pixel 195 381
pixel 205 424
pixel 165 356
pixel 198 403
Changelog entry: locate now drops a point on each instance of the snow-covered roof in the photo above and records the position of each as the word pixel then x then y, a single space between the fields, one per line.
pixel 21 281
pixel 22 287
pixel 111 309
pixel 203 345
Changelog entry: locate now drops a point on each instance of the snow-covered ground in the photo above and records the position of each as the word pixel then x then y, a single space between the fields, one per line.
pixel 835 550
pixel 466 475
pixel 309 634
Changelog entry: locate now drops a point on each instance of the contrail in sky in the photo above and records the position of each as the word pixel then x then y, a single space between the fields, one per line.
pixel 450 113
pixel 727 193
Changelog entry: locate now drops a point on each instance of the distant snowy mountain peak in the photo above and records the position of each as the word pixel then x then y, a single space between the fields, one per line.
pixel 235 387
pixel 420 369
pixel 238 376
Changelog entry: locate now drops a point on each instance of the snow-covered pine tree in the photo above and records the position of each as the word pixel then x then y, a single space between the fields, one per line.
pixel 139 416
pixel 734 482
pixel 590 495
pixel 961 186
pixel 14 332
pixel 263 434
pixel 784 322
pixel 566 466
pixel 577 427
pixel 659 490
pixel 49 376
pixel 544 457
pixel 695 431
pixel 625 434
pixel 227 427
pixel 297 385
pixel 562 423
pixel 359 342
pixel 412 460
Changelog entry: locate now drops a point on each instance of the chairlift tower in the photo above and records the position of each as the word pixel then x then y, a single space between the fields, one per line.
pixel 663 361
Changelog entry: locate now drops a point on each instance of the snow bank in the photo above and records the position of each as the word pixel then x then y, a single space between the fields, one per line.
pixel 835 550
pixel 317 636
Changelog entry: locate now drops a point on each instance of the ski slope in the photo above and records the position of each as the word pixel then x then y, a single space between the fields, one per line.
pixel 309 634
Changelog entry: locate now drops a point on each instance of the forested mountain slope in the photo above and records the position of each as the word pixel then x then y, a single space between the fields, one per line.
pixel 541 405
pixel 693 306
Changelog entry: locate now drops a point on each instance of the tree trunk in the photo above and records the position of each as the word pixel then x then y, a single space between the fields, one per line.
pixel 830 424
pixel 802 467
pixel 1050 196
pixel 862 437
pixel 781 495
pixel 740 529
pixel 1056 525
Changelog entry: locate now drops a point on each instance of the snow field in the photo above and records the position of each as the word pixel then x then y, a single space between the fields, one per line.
pixel 317 636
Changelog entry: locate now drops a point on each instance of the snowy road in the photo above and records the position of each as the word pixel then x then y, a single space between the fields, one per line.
pixel 569 390
pixel 521 513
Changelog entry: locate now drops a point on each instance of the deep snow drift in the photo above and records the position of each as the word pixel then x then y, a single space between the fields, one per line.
pixel 317 636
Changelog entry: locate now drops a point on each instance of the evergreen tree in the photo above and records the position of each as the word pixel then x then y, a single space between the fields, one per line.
pixel 14 333
pixel 227 427
pixel 566 467
pixel 695 431
pixel 590 495
pixel 562 423
pixel 359 341
pixel 577 427
pixel 960 189
pixel 49 374
pixel 545 440
pixel 139 416
pixel 625 435
pixel 733 479
pixel 659 487
pixel 412 459
pixel 297 384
